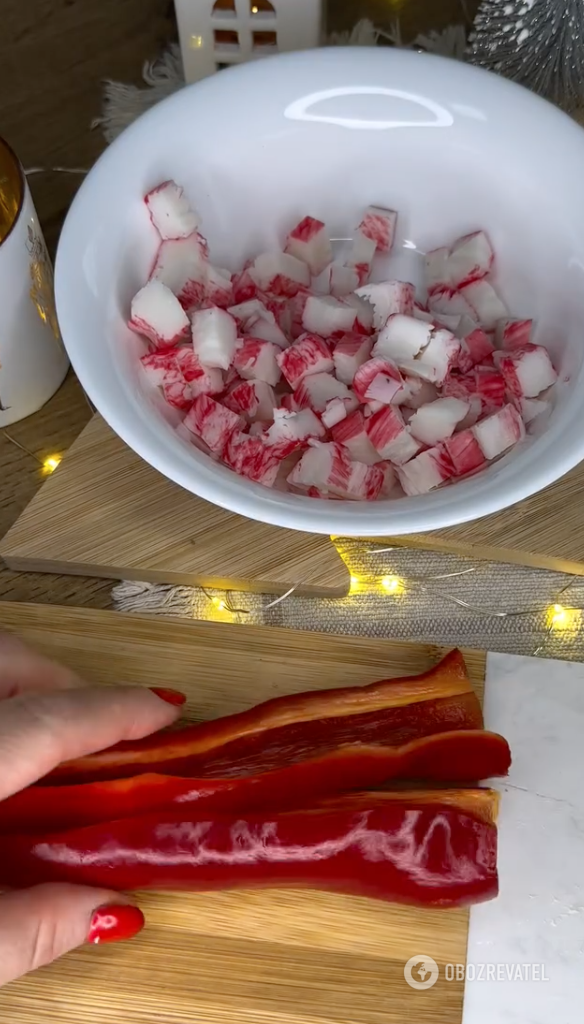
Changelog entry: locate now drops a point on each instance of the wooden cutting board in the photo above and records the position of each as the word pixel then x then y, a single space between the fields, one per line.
pixel 276 957
pixel 105 512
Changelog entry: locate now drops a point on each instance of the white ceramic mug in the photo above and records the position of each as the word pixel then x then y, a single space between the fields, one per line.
pixel 33 361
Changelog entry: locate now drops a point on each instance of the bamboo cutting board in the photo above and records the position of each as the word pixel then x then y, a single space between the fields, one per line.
pixel 249 957
pixel 105 512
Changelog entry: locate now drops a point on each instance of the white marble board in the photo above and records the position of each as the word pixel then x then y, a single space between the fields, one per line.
pixel 539 915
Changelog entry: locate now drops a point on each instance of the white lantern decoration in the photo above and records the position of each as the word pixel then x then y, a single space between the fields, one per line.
pixel 215 34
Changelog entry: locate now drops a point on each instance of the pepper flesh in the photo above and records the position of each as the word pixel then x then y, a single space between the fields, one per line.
pixel 482 804
pixel 459 756
pixel 274 734
pixel 421 854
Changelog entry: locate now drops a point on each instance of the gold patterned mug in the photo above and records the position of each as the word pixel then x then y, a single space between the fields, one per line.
pixel 33 361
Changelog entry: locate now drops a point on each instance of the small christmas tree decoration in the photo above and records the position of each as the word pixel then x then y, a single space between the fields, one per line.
pixel 539 43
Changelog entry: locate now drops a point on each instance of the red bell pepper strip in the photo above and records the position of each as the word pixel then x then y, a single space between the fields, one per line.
pixel 274 734
pixel 459 756
pixel 426 855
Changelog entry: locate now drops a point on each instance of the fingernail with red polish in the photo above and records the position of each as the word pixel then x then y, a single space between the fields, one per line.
pixel 115 923
pixel 170 696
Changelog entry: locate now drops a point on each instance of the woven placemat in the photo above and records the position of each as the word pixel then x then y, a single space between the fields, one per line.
pixel 404 594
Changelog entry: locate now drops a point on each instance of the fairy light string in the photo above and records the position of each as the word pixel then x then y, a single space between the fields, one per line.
pixel 386 601
pixel 559 619
pixel 558 613
pixel 553 620
pixel 48 465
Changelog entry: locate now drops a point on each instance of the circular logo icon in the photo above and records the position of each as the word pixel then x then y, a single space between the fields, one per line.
pixel 421 972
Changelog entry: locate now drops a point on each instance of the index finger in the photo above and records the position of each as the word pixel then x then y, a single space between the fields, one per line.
pixel 22 669
pixel 40 730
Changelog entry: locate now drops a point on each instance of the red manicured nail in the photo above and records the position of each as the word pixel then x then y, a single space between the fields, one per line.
pixel 115 923
pixel 170 696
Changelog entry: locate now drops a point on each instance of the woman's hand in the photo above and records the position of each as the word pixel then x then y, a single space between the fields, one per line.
pixel 47 715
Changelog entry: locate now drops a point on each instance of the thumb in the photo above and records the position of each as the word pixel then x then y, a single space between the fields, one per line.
pixel 40 924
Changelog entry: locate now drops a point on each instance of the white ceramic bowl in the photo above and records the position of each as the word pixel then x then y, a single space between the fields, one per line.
pixel 329 132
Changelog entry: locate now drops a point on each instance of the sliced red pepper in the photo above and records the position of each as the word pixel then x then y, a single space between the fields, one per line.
pixel 459 756
pixel 425 855
pixel 274 734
